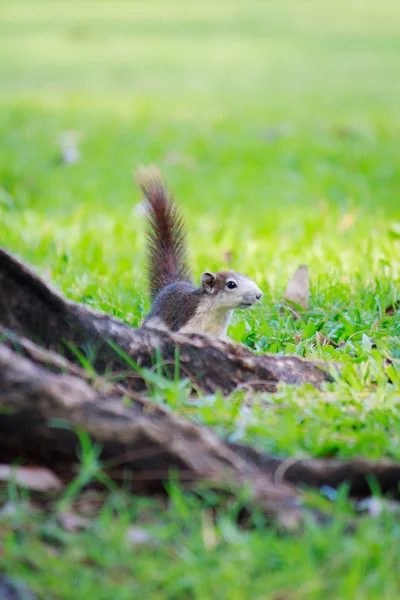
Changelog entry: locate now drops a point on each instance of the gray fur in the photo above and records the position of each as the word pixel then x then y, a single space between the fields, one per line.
pixel 175 305
pixel 182 307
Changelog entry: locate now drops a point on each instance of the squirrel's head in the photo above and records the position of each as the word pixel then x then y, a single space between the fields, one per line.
pixel 230 289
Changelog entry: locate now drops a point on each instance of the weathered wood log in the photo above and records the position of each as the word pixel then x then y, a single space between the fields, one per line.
pixel 32 308
pixel 359 474
pixel 46 358
pixel 141 443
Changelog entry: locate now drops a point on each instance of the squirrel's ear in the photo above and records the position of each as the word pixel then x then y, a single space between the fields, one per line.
pixel 208 281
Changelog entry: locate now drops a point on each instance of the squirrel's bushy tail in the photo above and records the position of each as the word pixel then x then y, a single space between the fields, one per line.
pixel 166 234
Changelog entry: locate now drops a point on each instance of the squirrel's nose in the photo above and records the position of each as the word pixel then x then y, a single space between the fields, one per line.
pixel 258 295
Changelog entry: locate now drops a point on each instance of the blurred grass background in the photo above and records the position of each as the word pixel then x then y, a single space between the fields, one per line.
pixel 277 126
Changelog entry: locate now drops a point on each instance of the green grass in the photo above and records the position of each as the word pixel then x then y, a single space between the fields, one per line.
pixel 277 126
pixel 187 557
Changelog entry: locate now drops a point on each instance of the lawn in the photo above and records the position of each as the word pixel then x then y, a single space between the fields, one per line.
pixel 277 126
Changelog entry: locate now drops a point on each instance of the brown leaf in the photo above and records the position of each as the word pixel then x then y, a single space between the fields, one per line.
pixel 324 340
pixel 393 308
pixel 298 288
pixel 227 257
pixel 39 479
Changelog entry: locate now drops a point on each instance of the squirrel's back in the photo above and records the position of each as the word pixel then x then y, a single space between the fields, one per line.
pixel 166 234
pixel 173 308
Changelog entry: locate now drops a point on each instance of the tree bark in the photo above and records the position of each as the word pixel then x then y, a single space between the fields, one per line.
pixel 142 444
pixel 30 307
pixel 357 473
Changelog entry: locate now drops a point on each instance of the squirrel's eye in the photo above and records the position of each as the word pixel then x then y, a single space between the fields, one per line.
pixel 231 285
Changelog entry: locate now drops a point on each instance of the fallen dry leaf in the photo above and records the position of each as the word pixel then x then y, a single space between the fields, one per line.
pixel 324 340
pixel 38 479
pixel 298 288
pixel 393 308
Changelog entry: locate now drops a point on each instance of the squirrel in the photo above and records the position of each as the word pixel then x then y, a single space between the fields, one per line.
pixel 177 304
